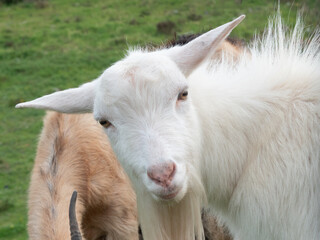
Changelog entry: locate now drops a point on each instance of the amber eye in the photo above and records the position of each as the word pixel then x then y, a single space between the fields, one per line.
pixel 105 123
pixel 183 95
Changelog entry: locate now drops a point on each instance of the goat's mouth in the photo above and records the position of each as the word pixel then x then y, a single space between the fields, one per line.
pixel 175 194
pixel 169 196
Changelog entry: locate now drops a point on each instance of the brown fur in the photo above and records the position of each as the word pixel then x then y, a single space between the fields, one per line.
pixel 212 229
pixel 74 154
pixel 232 49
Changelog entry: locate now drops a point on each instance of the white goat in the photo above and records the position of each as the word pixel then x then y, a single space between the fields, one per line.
pixel 246 138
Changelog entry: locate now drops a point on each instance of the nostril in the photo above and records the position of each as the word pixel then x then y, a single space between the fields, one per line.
pixel 151 174
pixel 173 171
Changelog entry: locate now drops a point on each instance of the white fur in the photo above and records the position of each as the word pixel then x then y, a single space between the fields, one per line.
pixel 261 131
pixel 246 139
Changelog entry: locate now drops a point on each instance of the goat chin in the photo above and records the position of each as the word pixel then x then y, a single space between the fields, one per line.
pixel 174 220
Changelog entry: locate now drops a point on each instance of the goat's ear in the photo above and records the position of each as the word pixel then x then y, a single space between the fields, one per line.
pixel 189 56
pixel 73 100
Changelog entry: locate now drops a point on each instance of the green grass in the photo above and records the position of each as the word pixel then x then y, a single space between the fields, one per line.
pixel 50 45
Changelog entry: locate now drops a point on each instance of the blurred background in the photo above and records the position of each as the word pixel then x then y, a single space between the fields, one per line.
pixel 47 45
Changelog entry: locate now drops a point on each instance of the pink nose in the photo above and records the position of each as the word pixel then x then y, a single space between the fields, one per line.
pixel 162 174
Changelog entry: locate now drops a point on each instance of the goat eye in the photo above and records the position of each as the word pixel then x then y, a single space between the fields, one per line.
pixel 105 123
pixel 183 95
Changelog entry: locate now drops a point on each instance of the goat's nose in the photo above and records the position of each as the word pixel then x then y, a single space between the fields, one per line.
pixel 162 173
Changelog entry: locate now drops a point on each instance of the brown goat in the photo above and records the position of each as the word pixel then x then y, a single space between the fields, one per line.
pixel 74 154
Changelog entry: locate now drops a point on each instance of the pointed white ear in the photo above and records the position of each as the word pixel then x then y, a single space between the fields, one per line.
pixel 73 100
pixel 189 56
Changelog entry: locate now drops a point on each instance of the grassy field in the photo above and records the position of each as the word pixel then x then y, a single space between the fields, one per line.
pixel 51 45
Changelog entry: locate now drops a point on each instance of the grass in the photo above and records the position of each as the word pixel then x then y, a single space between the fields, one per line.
pixel 49 45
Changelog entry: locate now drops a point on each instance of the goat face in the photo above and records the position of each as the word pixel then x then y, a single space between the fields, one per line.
pixel 144 105
pixel 142 101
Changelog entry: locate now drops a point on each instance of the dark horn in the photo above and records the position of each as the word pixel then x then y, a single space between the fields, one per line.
pixel 74 228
